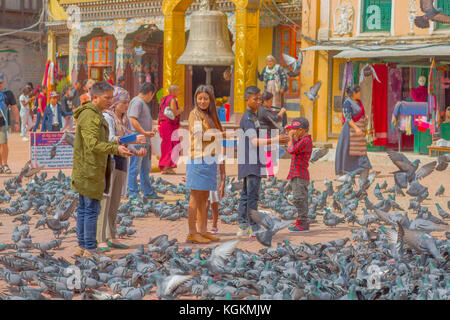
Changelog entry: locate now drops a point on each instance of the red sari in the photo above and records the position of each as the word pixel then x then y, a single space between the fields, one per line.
pixel 170 140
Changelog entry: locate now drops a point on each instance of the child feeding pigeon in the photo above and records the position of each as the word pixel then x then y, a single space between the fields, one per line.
pixel 300 147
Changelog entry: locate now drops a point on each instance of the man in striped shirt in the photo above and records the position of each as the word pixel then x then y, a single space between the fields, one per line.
pixel 300 147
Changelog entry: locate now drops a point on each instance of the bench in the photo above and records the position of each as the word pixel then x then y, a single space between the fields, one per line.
pixel 438 150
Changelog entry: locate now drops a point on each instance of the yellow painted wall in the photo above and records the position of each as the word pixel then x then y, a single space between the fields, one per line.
pixel 56 10
pixel 265 49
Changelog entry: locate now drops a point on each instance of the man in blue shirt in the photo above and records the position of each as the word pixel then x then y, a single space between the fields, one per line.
pixel 6 99
pixel 251 164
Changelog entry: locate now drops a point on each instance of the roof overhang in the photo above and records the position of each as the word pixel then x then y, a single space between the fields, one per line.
pixel 404 50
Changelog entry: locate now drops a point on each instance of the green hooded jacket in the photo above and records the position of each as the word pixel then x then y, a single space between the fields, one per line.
pixel 91 149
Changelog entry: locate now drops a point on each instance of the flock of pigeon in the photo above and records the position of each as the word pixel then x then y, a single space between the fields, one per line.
pixel 399 259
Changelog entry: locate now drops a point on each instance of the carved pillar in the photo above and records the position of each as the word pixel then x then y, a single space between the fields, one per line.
pixel 73 54
pixel 120 55
pixel 246 49
pixel 174 43
pixel 51 46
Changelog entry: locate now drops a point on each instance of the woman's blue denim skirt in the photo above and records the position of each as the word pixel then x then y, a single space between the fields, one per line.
pixel 201 174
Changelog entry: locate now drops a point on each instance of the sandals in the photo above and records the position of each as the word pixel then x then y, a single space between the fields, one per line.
pixel 6 169
pixel 117 246
pixel 168 171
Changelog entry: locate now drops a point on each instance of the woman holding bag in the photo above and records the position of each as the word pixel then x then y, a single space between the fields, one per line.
pixel 351 150
pixel 205 133
pixel 118 122
pixel 169 122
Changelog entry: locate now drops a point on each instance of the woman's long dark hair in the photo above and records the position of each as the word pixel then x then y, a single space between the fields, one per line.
pixel 351 90
pixel 212 110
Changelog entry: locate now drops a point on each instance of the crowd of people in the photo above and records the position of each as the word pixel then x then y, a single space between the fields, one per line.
pixel 106 170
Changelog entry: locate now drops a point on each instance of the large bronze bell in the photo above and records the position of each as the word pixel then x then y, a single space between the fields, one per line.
pixel 209 40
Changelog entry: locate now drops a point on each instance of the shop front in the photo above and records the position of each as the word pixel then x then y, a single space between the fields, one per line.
pixel 404 89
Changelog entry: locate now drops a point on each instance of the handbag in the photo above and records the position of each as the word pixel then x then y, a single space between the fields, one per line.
pixel 169 113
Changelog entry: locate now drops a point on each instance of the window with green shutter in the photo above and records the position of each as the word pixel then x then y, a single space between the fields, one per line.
pixel 445 6
pixel 377 15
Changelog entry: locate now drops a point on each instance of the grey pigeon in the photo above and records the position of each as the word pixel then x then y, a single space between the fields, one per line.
pixel 416 189
pixel 425 170
pixel 440 191
pixel 294 64
pixel 442 162
pixel 318 154
pixel 272 226
pixel 425 225
pixel 313 91
pixel 167 285
pixel 442 212
pixel 216 262
pixel 430 13
pixel 420 241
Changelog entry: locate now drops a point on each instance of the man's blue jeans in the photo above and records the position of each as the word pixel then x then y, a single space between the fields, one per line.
pixel 88 210
pixel 38 121
pixel 141 166
pixel 249 200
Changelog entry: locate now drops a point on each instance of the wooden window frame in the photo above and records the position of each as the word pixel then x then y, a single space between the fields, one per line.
pixel 103 51
pixel 441 26
pixel 292 42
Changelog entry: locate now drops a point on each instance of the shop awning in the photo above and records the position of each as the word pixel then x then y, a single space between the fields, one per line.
pixel 326 48
pixel 417 50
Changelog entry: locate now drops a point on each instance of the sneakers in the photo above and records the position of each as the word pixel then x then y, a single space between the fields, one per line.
pixel 25 139
pixel 242 232
pixel 197 238
pixel 299 226
pixel 246 232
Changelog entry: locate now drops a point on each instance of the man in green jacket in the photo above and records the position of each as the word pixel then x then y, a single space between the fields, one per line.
pixel 91 149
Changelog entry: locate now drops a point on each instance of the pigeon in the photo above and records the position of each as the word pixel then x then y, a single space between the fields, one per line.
pixel 431 13
pixel 420 241
pixel 34 171
pixel 318 154
pixel 442 162
pixel 416 189
pixel 440 191
pixel 425 170
pixel 216 263
pixel 167 285
pixel 401 179
pixel 403 163
pixel 387 218
pixel 313 91
pixel 293 64
pixel 441 212
pixel 63 215
pixel 272 226
pixel 425 225
pixel 67 137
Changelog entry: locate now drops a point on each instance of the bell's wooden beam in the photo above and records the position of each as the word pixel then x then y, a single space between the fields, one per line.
pixel 246 49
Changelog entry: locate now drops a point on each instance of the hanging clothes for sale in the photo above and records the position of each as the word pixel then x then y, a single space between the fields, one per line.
pixel 366 79
pixel 347 80
pixel 379 105
pixel 394 96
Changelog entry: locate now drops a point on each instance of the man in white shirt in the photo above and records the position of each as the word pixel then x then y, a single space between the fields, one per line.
pixel 25 116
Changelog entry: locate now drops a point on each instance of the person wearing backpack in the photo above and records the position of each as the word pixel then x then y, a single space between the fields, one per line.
pixel 169 122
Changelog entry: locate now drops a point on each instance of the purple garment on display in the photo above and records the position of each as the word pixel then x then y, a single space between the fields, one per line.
pixel 347 81
pixel 394 96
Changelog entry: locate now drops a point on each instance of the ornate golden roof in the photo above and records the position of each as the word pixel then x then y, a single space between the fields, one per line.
pixel 113 9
